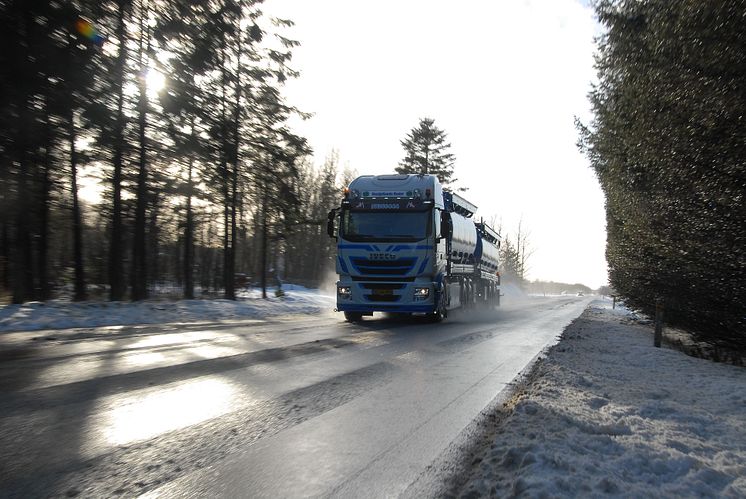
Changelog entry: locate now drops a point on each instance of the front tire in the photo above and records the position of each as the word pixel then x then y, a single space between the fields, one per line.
pixel 441 312
pixel 353 316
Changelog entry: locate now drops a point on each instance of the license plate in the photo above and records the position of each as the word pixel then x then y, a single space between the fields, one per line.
pixel 383 291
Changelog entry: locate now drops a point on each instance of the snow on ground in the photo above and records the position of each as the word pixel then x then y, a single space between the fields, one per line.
pixel 606 413
pixel 63 314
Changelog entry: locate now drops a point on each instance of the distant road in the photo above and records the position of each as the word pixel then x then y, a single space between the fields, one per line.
pixel 284 407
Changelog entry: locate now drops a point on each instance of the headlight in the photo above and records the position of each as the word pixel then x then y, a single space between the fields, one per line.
pixel 421 292
pixel 344 291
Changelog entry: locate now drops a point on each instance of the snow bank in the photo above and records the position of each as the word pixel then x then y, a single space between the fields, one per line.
pixel 61 314
pixel 607 413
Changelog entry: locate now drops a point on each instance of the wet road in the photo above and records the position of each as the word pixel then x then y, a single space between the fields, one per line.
pixel 301 406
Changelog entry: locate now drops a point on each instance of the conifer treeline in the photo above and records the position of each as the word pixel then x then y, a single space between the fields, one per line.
pixel 668 143
pixel 203 179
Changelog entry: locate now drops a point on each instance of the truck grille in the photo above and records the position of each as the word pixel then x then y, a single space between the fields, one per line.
pixel 382 285
pixel 400 266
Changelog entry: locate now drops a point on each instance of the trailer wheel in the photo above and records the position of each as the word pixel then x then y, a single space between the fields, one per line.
pixel 353 316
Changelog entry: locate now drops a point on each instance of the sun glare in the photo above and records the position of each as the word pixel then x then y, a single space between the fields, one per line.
pixel 168 410
pixel 155 81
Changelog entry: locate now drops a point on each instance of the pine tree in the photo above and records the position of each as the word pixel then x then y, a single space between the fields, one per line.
pixel 219 134
pixel 182 103
pixel 46 69
pixel 108 114
pixel 24 39
pixel 667 144
pixel 426 152
pixel 116 268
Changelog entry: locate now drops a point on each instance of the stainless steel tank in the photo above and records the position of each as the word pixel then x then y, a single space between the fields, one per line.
pixel 489 257
pixel 464 239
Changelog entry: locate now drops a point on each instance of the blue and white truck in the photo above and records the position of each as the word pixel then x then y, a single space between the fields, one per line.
pixel 406 245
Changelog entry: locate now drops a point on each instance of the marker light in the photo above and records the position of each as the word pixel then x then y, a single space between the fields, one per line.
pixel 347 192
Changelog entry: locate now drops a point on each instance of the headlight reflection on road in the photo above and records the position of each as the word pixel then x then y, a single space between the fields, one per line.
pixel 168 410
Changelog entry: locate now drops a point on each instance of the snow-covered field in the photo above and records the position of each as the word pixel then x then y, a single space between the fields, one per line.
pixel 64 314
pixel 606 413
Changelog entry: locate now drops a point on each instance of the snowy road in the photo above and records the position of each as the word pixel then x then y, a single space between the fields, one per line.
pixel 284 407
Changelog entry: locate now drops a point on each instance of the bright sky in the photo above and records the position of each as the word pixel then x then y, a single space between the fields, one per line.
pixel 504 79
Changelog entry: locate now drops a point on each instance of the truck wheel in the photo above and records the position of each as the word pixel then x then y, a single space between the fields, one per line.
pixel 353 316
pixel 441 312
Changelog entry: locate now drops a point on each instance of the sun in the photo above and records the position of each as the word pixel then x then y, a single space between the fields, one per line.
pixel 155 81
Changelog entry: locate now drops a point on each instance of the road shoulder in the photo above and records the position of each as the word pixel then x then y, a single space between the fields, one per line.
pixel 606 413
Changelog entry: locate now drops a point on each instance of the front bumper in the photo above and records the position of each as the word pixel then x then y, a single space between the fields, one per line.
pixel 394 296
pixel 413 309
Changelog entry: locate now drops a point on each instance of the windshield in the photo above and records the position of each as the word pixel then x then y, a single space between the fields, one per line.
pixel 386 225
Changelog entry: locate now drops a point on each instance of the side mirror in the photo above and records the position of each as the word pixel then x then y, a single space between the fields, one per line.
pixel 446 229
pixel 330 229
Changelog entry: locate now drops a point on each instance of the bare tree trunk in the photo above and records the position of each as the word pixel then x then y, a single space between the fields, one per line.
pixel 232 260
pixel 116 268
pixel 518 250
pixel 5 203
pixel 5 267
pixel 523 253
pixel 189 235
pixel 46 186
pixel 153 245
pixel 23 279
pixel 256 241
pixel 228 281
pixel 264 246
pixel 80 286
pixel 139 257
pixel 22 272
pixel 230 291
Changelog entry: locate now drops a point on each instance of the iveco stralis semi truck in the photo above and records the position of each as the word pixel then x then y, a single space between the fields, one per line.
pixel 405 245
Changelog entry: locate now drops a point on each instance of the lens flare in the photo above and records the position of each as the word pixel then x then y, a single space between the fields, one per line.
pixel 86 29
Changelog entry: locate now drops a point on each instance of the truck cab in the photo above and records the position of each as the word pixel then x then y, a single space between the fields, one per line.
pixel 391 246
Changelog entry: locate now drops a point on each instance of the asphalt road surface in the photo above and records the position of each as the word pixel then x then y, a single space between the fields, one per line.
pixel 300 406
